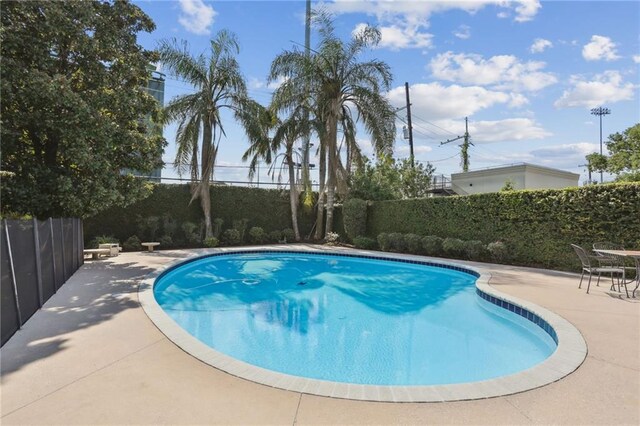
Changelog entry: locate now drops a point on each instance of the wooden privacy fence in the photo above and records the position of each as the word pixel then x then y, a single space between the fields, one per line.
pixel 36 258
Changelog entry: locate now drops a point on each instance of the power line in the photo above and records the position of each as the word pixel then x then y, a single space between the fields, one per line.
pixel 434 125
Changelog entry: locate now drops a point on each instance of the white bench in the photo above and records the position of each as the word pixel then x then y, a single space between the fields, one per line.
pixel 150 246
pixel 95 253
pixel 114 249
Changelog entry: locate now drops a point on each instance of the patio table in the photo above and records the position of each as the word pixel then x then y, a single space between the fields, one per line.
pixel 634 254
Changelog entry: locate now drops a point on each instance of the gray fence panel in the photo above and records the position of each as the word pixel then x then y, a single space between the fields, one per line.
pixel 46 259
pixel 58 254
pixel 24 266
pixel 67 244
pixel 8 314
pixel 80 242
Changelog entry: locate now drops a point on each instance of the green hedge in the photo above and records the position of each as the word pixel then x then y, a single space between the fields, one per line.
pixel 265 208
pixel 536 226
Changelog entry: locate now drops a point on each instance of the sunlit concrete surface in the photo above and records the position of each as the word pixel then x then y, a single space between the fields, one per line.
pixel 92 356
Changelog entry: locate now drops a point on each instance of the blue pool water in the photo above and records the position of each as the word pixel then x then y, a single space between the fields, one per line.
pixel 350 319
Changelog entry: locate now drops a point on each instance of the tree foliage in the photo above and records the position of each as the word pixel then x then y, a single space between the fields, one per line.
pixel 391 180
pixel 74 106
pixel 341 89
pixel 624 158
pixel 219 85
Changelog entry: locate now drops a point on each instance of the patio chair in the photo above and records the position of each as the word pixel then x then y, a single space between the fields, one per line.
pixel 612 259
pixel 589 266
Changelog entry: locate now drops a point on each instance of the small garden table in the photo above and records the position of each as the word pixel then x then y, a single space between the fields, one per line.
pixel 634 254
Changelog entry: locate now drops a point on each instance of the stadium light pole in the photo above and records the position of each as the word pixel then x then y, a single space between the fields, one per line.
pixel 600 111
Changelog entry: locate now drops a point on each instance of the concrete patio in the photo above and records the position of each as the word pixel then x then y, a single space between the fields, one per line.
pixel 92 356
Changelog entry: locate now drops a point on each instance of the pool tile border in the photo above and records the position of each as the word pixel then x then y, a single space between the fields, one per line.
pixel 568 356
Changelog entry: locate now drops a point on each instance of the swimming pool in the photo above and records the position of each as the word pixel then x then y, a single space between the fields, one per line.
pixel 327 318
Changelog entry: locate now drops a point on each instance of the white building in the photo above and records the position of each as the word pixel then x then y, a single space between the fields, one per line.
pixel 521 176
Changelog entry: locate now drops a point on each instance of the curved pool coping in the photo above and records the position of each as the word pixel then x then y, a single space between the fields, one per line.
pixel 568 356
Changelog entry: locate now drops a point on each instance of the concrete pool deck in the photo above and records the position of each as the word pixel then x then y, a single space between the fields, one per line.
pixel 92 356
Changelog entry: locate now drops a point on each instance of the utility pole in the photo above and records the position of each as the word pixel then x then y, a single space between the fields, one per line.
pixel 464 152
pixel 465 147
pixel 600 111
pixel 406 89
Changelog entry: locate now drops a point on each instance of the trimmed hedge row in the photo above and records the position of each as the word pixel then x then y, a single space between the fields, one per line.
pixel 536 226
pixel 268 209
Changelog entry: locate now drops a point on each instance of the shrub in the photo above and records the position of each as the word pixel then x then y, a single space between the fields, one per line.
pixel 384 242
pixel 288 235
pixel 132 244
pixel 413 243
pixel 102 239
pixel 217 227
pixel 538 225
pixel 191 234
pixel 169 226
pixel 354 216
pixel 257 235
pixel 275 236
pixel 332 238
pixel 498 251
pixel 475 250
pixel 166 241
pixel 364 243
pixel 432 245
pixel 240 225
pixel 453 247
pixel 211 242
pixel 148 226
pixel 397 242
pixel 231 237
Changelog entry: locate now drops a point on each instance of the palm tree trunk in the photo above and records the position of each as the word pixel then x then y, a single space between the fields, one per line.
pixel 332 141
pixel 208 157
pixel 322 170
pixel 293 195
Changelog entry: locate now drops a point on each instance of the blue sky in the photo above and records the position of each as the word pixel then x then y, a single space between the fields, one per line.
pixel 526 73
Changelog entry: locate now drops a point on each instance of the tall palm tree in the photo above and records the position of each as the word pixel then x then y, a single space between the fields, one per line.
pixel 340 86
pixel 268 135
pixel 218 85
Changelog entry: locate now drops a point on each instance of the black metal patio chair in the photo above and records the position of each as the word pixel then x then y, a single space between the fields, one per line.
pixel 592 265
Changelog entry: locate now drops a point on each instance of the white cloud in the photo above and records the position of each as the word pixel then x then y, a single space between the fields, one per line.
pixel 607 87
pixel 600 48
pixel 403 23
pixel 508 130
pixel 401 36
pixel 502 71
pixel 636 59
pixel 463 32
pixel 256 83
pixel 436 101
pixel 563 156
pixel 539 45
pixel 196 17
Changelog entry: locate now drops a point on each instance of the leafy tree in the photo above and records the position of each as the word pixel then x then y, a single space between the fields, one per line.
pixel 624 158
pixel 74 106
pixel 389 180
pixel 340 85
pixel 219 85
pixel 415 180
pixel 596 162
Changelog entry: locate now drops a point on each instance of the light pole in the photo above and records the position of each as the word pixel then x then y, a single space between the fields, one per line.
pixel 600 111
